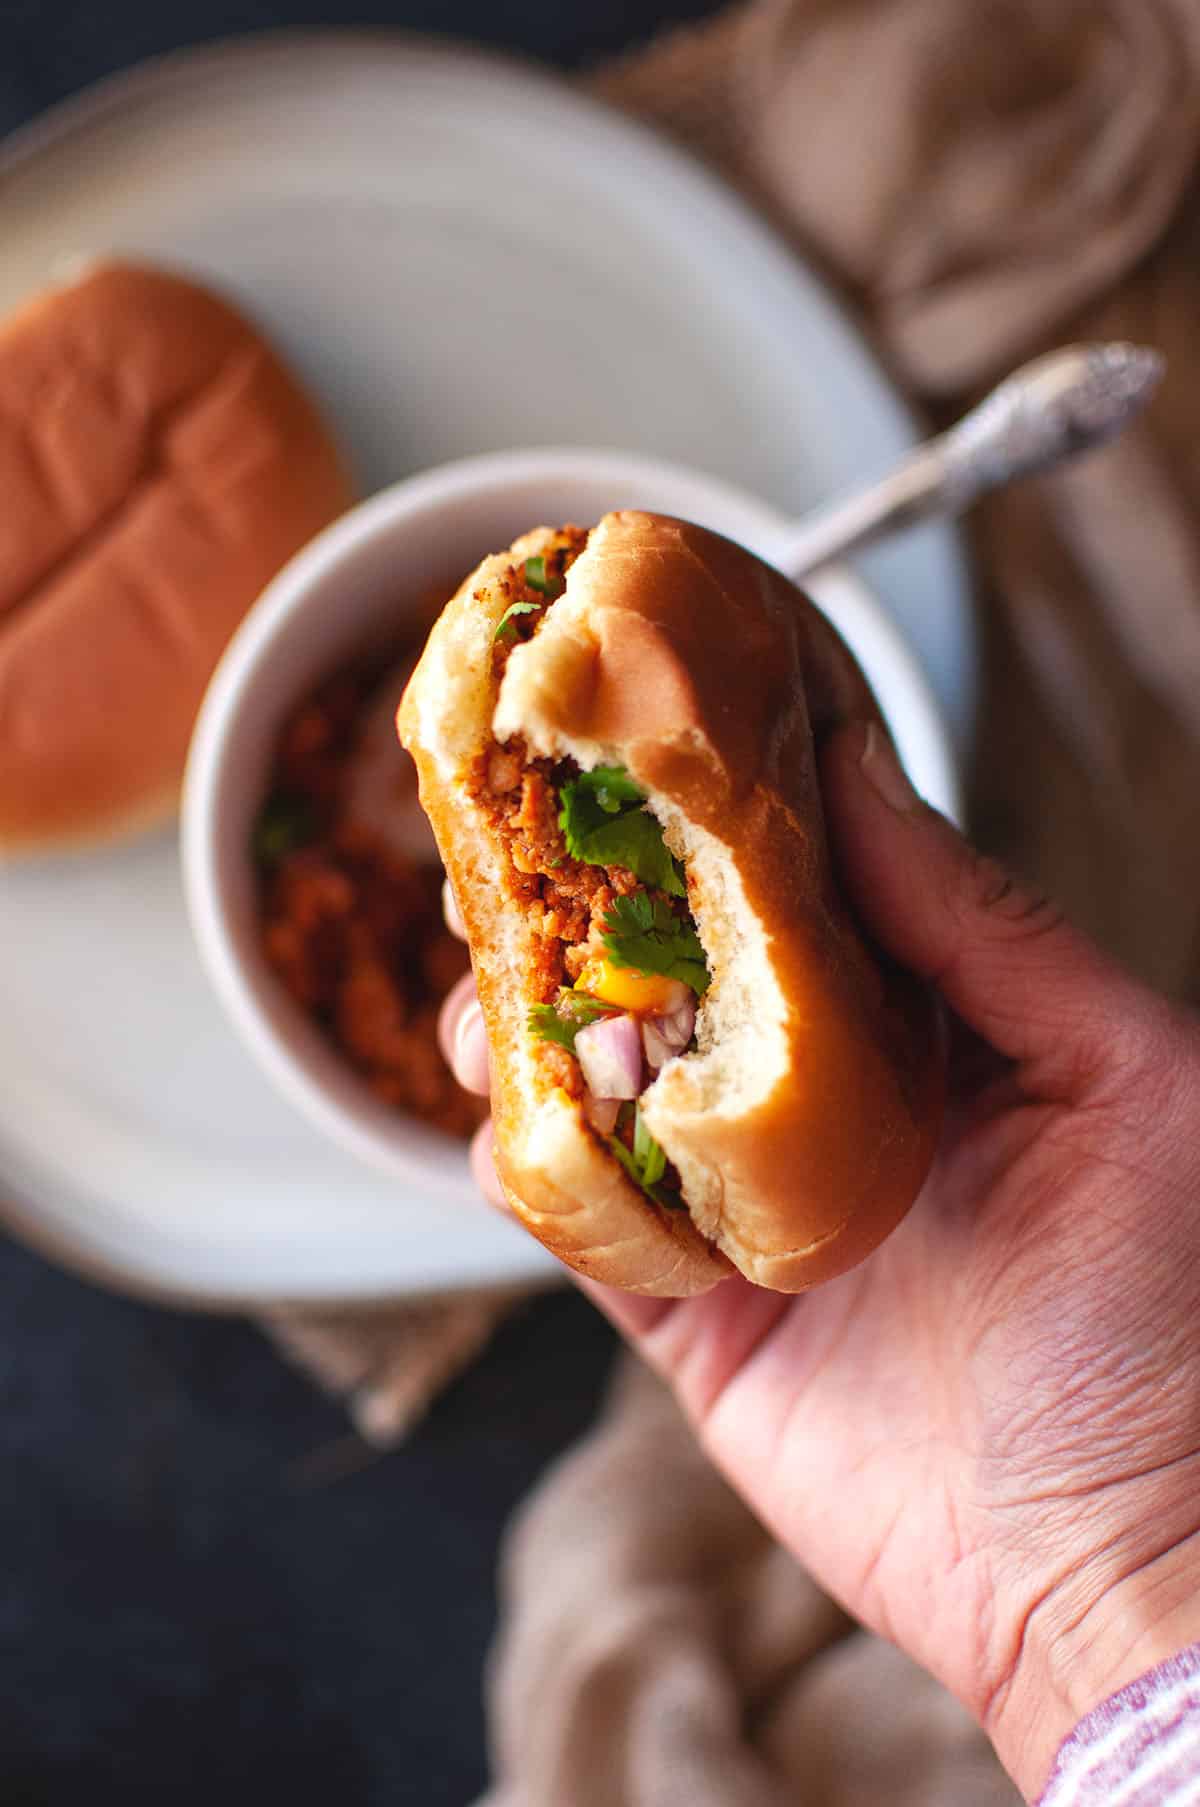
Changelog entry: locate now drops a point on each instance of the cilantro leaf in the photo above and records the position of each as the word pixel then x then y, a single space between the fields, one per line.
pixel 536 578
pixel 612 788
pixel 561 1021
pixel 647 1163
pixel 605 823
pixel 642 933
pixel 545 1022
pixel 507 623
pixel 632 840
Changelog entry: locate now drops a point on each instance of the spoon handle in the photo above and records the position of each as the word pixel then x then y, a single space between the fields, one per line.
pixel 1052 409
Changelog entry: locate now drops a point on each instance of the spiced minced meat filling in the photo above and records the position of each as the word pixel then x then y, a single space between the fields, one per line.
pixel 566 899
pixel 351 923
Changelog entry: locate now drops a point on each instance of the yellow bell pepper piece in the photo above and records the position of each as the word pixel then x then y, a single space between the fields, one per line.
pixel 644 994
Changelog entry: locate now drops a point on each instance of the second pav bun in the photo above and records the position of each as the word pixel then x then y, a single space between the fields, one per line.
pixel 158 464
pixel 804 1119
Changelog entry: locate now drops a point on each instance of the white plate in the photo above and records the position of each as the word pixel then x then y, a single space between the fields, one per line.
pixel 459 255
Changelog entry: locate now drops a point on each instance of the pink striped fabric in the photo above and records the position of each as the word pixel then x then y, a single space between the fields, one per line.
pixel 1140 1748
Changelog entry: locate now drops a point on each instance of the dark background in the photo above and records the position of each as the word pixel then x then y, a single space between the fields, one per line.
pixel 52 47
pixel 206 1586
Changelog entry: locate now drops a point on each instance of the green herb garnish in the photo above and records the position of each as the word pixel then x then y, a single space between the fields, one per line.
pixel 605 823
pixel 507 623
pixel 561 1021
pixel 650 1155
pixel 648 1161
pixel 284 824
pixel 642 933
pixel 612 787
pixel 536 578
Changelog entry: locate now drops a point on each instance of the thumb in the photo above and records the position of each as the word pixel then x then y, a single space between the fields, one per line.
pixel 1003 956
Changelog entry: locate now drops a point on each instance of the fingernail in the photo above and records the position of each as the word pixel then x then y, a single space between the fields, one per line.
pixel 880 765
pixel 468 1037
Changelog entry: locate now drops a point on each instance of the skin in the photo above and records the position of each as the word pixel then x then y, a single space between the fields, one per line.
pixel 985 1441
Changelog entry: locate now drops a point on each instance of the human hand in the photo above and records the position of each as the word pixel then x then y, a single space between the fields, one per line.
pixel 985 1441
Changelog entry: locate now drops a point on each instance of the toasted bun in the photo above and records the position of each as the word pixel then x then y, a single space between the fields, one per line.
pixel 158 465
pixel 803 1125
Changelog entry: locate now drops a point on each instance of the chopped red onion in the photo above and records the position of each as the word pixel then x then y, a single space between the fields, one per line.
pixel 678 994
pixel 610 1053
pixel 665 1036
pixel 602 1113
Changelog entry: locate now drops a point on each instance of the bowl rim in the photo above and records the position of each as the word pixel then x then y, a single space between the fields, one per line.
pixel 302 1066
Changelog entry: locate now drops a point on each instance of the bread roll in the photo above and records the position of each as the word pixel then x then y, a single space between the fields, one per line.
pixel 801 1121
pixel 158 465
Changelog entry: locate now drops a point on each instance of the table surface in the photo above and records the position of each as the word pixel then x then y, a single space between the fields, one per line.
pixel 207 1584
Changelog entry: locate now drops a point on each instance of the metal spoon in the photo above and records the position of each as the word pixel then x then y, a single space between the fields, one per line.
pixel 1052 409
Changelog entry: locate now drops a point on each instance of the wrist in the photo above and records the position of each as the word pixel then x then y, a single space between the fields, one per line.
pixel 1074 1655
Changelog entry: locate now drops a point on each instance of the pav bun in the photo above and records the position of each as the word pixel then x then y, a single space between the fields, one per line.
pixel 803 1118
pixel 158 465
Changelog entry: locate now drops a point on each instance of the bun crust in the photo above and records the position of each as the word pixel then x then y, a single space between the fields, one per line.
pixel 159 464
pixel 805 1122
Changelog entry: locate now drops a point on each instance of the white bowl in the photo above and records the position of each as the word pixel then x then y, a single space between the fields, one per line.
pixel 368 572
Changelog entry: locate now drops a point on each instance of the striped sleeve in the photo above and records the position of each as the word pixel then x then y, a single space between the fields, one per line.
pixel 1140 1748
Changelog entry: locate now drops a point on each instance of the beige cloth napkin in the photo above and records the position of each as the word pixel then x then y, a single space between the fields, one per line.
pixel 981 178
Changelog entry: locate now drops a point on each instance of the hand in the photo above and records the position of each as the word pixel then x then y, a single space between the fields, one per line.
pixel 985 1441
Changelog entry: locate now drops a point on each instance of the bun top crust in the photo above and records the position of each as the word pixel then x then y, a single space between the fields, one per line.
pixel 804 1126
pixel 158 464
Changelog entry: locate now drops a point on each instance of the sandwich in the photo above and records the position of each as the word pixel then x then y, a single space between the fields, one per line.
pixel 700 1066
